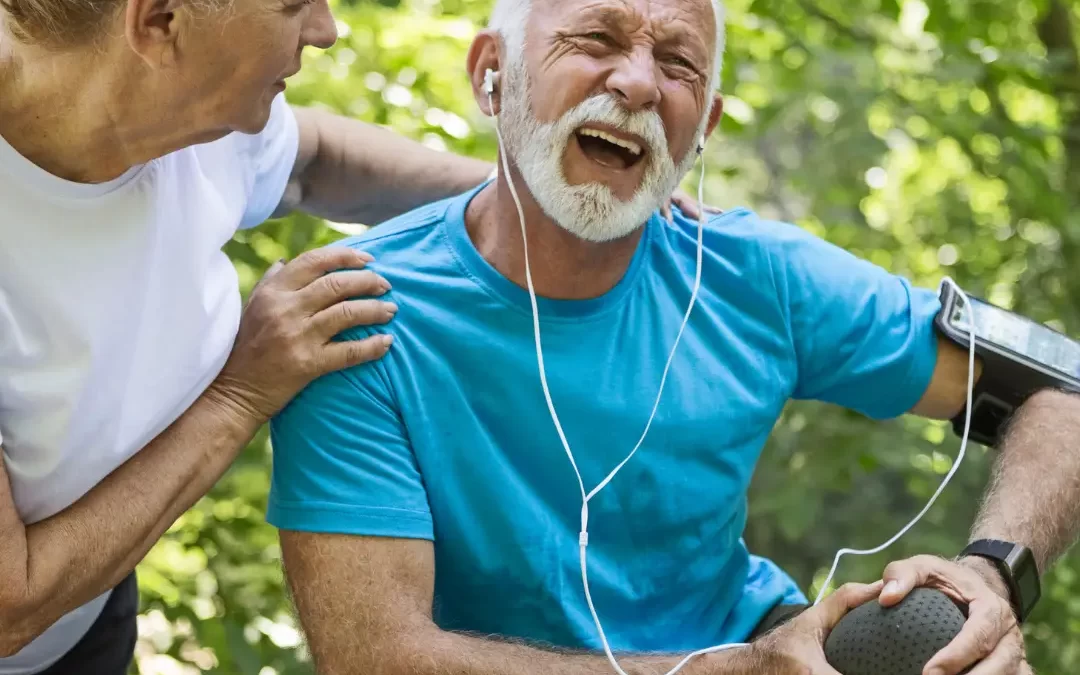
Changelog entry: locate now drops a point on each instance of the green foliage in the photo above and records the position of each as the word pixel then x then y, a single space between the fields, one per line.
pixel 932 137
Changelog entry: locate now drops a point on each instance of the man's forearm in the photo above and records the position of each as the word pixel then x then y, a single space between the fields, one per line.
pixel 51 567
pixel 1034 493
pixel 361 173
pixel 434 652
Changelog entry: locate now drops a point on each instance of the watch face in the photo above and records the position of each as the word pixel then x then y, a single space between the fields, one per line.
pixel 1027 580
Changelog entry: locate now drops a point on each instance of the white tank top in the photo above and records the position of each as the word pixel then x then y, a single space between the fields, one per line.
pixel 117 308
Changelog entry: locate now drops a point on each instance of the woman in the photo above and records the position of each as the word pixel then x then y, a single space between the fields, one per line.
pixel 136 136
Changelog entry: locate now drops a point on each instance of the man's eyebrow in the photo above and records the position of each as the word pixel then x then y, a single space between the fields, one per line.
pixel 668 35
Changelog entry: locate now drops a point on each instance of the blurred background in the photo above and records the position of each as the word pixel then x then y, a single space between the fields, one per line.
pixel 932 137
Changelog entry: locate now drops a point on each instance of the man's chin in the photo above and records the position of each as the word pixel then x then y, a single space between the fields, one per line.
pixel 619 194
pixel 594 214
pixel 623 183
pixel 601 235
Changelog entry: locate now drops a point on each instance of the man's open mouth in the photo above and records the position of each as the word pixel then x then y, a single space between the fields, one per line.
pixel 609 149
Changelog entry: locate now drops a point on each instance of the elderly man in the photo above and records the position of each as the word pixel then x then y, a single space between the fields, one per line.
pixel 430 514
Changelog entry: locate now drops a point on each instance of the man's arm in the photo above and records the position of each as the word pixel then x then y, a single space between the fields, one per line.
pixel 51 567
pixel 351 171
pixel 1033 499
pixel 946 396
pixel 1041 448
pixel 365 606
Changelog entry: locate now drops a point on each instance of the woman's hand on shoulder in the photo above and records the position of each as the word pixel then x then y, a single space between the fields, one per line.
pixel 286 335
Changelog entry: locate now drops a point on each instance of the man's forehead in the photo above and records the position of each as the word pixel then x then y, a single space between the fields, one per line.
pixel 677 15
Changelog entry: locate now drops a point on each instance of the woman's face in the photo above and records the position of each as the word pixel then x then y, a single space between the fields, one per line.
pixel 234 62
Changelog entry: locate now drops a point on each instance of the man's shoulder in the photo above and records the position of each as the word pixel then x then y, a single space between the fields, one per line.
pixel 406 233
pixel 742 236
pixel 746 226
pixel 410 251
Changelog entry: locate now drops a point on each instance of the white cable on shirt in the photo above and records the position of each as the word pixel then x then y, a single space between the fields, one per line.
pixel 586 497
pixel 959 457
pixel 583 537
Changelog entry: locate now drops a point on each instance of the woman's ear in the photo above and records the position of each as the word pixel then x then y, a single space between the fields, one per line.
pixel 152 28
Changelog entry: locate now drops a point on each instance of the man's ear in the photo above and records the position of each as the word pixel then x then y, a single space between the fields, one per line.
pixel 715 115
pixel 151 28
pixel 484 55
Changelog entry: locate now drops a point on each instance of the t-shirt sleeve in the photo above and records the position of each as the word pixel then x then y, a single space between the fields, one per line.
pixel 863 338
pixel 270 155
pixel 343 463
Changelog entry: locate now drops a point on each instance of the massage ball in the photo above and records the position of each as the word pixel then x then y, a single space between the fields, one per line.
pixel 898 640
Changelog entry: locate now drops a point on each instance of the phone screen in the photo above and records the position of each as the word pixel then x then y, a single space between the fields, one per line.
pixel 1021 335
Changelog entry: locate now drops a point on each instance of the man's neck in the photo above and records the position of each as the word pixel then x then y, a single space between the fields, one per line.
pixel 74 115
pixel 563 266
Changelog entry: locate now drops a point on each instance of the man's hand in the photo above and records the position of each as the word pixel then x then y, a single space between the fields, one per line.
pixel 798 647
pixel 686 204
pixel 990 637
pixel 286 336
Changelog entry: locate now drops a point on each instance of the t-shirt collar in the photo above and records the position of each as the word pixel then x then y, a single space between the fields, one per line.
pixel 516 296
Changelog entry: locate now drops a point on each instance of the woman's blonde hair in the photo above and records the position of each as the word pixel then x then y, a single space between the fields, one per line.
pixel 56 23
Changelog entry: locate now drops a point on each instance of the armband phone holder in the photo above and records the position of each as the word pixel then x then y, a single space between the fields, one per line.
pixel 1019 357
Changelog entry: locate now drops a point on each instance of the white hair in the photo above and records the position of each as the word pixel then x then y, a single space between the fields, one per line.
pixel 590 210
pixel 510 18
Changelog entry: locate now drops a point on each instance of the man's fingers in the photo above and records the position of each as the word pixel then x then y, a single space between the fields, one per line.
pixel 845 599
pixel 903 576
pixel 665 211
pixel 309 266
pixel 335 287
pixel 989 620
pixel 988 625
pixel 349 353
pixel 1007 659
pixel 345 315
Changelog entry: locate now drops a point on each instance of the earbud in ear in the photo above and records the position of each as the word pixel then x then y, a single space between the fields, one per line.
pixel 701 145
pixel 489 81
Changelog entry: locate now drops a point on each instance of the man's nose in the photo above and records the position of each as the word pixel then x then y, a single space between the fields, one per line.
pixel 321 29
pixel 634 81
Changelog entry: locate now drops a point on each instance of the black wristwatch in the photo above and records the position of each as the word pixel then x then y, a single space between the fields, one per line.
pixel 1017 567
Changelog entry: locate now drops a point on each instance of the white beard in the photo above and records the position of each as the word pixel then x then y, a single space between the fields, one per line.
pixel 590 211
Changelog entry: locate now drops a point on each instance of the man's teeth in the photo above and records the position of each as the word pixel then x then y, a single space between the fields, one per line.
pixel 633 147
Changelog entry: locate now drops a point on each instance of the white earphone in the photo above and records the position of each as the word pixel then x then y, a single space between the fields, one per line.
pixel 583 537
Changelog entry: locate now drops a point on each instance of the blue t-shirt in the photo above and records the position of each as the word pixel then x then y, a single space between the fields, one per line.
pixel 449 438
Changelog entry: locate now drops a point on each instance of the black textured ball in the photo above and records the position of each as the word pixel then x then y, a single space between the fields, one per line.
pixel 899 640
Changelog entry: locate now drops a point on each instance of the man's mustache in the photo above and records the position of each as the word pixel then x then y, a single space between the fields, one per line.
pixel 605 109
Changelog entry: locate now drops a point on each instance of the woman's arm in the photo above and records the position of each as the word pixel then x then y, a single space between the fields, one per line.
pixel 354 172
pixel 51 567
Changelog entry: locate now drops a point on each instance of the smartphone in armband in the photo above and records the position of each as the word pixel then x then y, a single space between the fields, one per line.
pixel 1019 357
